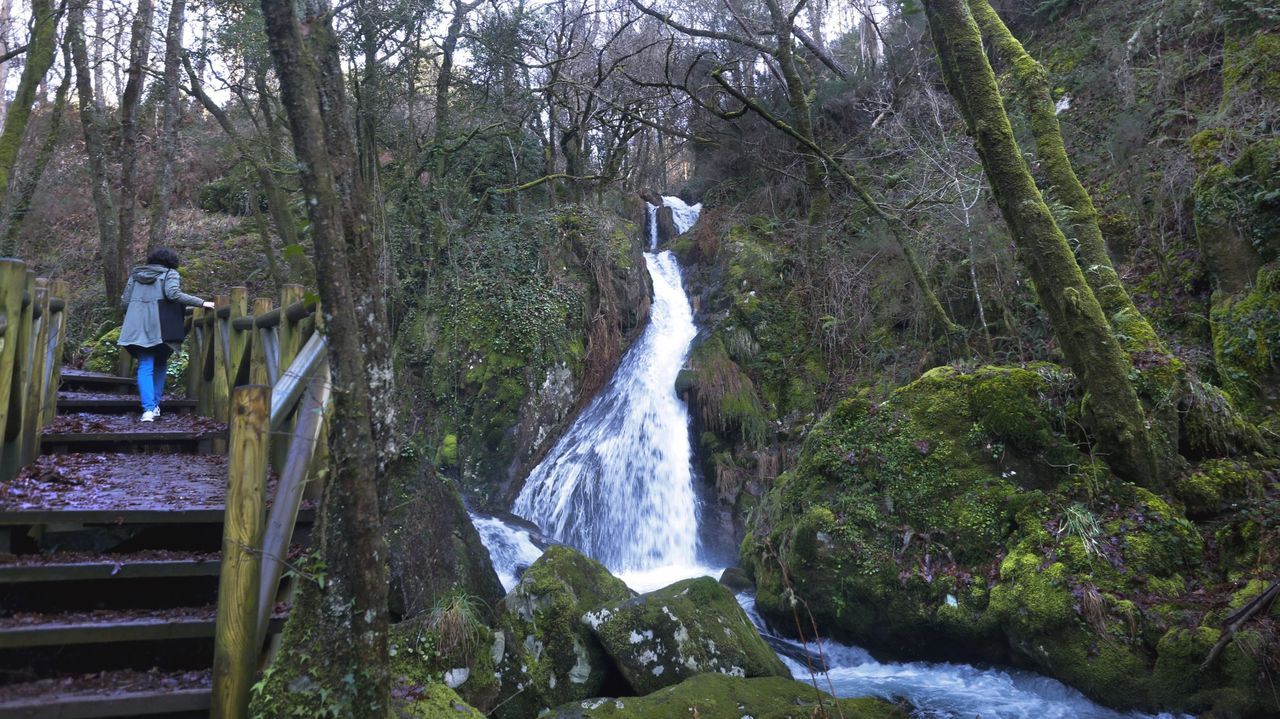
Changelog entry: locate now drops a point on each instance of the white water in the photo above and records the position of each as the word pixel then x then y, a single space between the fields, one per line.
pixel 937 691
pixel 619 484
pixel 511 549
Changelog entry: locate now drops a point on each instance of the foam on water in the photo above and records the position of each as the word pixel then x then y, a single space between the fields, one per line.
pixel 937 691
pixel 511 548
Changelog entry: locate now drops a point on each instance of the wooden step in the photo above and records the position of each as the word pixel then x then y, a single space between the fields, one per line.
pixel 105 403
pixel 121 488
pixel 88 432
pixel 96 381
pixel 74 567
pixel 24 631
pixel 107 694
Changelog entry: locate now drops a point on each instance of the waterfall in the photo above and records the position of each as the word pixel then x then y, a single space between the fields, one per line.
pixel 619 484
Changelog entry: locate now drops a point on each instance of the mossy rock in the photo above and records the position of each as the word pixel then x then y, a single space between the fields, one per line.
pixel 959 520
pixel 564 659
pixel 500 355
pixel 451 649
pixel 1216 484
pixel 104 353
pixel 436 701
pixel 1246 340
pixel 447 452
pixel 1237 215
pixel 1231 686
pixel 694 626
pixel 717 696
pixel 896 511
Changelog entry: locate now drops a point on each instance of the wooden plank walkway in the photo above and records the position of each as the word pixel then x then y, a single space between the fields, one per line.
pixel 115 512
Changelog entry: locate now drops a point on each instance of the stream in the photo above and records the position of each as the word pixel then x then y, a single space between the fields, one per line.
pixel 620 486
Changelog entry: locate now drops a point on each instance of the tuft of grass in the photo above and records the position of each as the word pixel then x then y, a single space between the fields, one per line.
pixel 1079 522
pixel 458 618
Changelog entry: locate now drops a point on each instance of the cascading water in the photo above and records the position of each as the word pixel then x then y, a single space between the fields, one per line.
pixel 619 484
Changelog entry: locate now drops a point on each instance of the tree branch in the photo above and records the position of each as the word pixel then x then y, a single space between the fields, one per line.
pixel 699 32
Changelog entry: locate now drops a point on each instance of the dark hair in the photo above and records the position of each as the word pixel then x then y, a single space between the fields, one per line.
pixel 163 256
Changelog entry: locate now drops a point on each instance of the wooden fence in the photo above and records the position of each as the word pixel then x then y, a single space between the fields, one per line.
pixel 32 329
pixel 266 373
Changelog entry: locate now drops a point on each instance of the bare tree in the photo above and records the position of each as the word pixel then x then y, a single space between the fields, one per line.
pixel 109 238
pixel 162 196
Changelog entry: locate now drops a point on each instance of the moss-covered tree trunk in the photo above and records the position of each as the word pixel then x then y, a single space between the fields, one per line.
pixel 1092 351
pixel 1033 86
pixel 44 40
pixel 109 245
pixel 351 619
pixel 17 204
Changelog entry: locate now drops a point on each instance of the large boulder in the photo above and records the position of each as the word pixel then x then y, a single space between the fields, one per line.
pixel 561 655
pixel 719 696
pixel 666 225
pixel 961 519
pixel 435 550
pixel 691 627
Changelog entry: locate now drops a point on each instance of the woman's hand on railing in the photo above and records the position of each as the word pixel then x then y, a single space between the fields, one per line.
pixel 208 305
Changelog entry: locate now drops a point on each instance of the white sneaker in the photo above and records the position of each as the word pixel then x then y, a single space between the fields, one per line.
pixel 156 412
pixel 149 416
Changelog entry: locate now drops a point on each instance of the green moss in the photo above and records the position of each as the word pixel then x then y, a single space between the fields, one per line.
pixel 692 627
pixel 447 453
pixel 1251 64
pixel 1230 686
pixel 437 701
pixel 564 660
pixel 716 696
pixel 1246 337
pixel 424 650
pixel 1215 483
pixel 104 352
pixel 725 397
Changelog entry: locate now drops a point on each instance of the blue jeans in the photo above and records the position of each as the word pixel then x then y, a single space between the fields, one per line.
pixel 151 372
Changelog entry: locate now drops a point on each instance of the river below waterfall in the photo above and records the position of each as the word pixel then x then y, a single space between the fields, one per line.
pixel 620 487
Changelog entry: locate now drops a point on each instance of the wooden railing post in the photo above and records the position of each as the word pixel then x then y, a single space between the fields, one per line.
pixel 289 343
pixel 236 635
pixel 218 332
pixel 290 336
pixel 13 278
pixel 258 372
pixel 59 290
pixel 11 461
pixel 195 359
pixel 39 354
pixel 238 340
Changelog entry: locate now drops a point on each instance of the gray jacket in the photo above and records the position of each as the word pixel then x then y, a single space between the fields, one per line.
pixel 147 284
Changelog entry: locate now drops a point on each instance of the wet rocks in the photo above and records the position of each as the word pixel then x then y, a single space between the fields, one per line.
pixel 692 627
pixel 563 658
pixel 718 696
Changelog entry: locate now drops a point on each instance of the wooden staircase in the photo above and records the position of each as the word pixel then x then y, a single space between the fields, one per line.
pixel 111 534
pixel 110 579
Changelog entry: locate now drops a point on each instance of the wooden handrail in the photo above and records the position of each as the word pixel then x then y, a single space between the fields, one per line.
pixel 279 354
pixel 32 323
